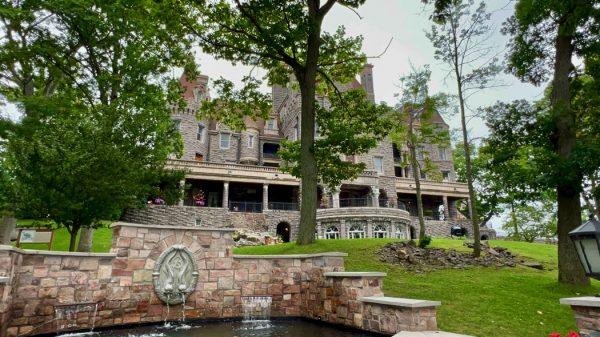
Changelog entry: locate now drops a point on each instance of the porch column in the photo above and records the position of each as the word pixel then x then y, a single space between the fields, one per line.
pixel 336 199
pixel 320 234
pixel 265 197
pixel 182 184
pixel 375 196
pixel 369 228
pixel 446 209
pixel 226 194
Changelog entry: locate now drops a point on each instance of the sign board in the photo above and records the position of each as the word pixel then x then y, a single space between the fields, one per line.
pixel 35 235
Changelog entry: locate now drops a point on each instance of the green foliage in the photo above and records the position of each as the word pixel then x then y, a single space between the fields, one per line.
pixel 424 241
pixel 94 88
pixel 350 126
pixel 166 184
pixel 533 220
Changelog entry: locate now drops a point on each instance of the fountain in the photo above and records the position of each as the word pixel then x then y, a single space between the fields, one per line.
pixel 66 316
pixel 256 308
pixel 175 275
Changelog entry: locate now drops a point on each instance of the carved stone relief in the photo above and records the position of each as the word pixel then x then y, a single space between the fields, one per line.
pixel 175 275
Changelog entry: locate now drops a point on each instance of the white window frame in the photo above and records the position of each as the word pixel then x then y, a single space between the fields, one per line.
pixel 200 134
pixel 442 153
pixel 380 232
pixel 356 232
pixel 177 123
pixel 250 141
pixel 332 233
pixel 400 231
pixel 228 141
pixel 271 124
pixel 380 169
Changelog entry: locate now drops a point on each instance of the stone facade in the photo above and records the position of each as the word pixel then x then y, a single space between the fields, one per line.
pixel 47 292
pixel 587 314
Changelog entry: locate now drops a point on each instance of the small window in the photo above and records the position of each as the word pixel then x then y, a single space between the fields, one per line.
pixel 378 162
pixel 317 133
pixel 423 175
pixel 356 232
pixel 199 156
pixel 442 153
pixel 446 175
pixel 198 222
pixel 250 141
pixel 421 153
pixel 225 140
pixel 332 233
pixel 177 123
pixel 296 132
pixel 379 231
pixel 200 135
pixel 271 124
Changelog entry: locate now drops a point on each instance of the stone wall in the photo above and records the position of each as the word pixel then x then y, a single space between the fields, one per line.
pixel 213 217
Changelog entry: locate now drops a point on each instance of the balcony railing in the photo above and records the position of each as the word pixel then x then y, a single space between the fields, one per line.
pixel 196 203
pixel 353 202
pixel 283 206
pixel 246 207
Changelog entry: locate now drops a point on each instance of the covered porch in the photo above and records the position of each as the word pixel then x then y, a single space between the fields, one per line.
pixel 435 207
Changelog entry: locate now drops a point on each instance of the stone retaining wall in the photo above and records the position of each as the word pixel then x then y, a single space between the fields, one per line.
pixel 48 292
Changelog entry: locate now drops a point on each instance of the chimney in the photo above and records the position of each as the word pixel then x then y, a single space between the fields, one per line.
pixel 366 80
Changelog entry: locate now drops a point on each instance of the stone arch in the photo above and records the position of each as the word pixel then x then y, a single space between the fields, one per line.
pixel 284 230
pixel 484 237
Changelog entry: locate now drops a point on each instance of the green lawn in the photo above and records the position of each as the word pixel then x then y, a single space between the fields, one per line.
pixel 499 302
pixel 102 238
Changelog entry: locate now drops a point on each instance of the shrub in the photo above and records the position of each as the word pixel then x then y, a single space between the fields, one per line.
pixel 424 241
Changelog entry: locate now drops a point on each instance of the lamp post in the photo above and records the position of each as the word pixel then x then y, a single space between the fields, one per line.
pixel 587 242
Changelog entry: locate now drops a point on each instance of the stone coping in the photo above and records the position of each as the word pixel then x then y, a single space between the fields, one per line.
pixel 190 228
pixel 291 256
pixel 584 301
pixel 427 334
pixel 3 279
pixel 354 274
pixel 400 302
pixel 54 253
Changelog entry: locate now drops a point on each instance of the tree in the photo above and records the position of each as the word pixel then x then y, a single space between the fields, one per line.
pixel 460 39
pixel 78 166
pixel 286 39
pixel 108 60
pixel 545 37
pixel 414 128
pixel 533 220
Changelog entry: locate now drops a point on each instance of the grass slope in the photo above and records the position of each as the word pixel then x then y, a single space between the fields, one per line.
pixel 492 302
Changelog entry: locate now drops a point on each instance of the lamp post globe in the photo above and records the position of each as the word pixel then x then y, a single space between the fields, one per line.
pixel 587 243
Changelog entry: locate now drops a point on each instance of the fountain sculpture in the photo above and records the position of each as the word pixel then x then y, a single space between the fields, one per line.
pixel 175 275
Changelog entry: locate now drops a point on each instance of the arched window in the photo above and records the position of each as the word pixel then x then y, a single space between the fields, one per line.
pixel 380 232
pixel 201 132
pixel 400 232
pixel 332 232
pixel 356 232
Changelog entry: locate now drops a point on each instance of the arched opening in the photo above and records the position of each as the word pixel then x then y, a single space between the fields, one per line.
pixel 380 232
pixel 383 199
pixel 413 233
pixel 283 231
pixel 356 231
pixel 332 232
pixel 484 237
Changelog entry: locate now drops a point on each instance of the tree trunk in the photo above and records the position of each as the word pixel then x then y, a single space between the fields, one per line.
pixel 7 227
pixel 416 174
pixel 469 172
pixel 513 219
pixel 308 165
pixel 86 239
pixel 73 237
pixel 570 270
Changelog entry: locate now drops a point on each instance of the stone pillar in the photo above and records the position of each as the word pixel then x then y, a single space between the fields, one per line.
pixel 320 234
pixel 446 210
pixel 336 199
pixel 343 232
pixel 226 194
pixel 393 230
pixel 587 314
pixel 369 228
pixel 182 184
pixel 375 196
pixel 265 197
pixel 453 212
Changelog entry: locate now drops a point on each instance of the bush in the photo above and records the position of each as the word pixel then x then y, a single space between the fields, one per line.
pixel 424 241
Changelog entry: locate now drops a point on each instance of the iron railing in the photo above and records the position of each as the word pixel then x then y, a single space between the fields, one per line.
pixel 354 202
pixel 246 207
pixel 283 206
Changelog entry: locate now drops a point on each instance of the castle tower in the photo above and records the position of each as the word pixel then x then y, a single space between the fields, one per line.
pixel 366 80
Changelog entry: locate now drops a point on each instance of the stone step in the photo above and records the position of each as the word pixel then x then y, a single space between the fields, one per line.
pixel 428 334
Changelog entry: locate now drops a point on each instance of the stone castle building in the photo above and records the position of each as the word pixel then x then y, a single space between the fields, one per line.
pixel 233 179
